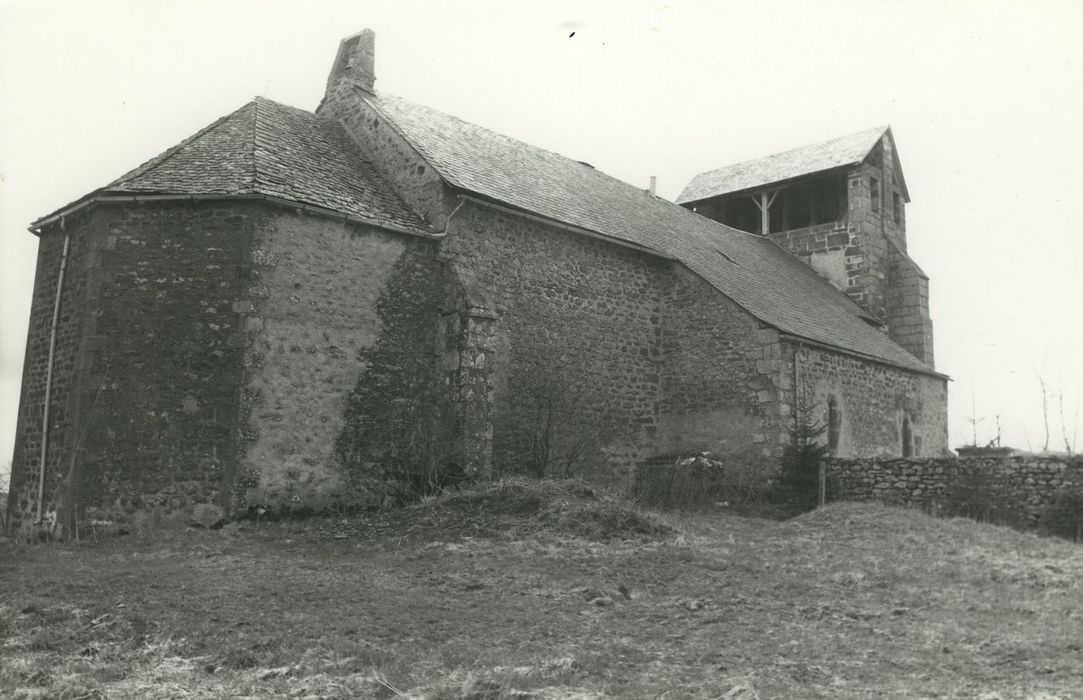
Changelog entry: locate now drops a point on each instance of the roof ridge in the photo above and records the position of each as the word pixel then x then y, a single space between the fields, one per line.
pixel 807 159
pixel 795 149
pixel 645 194
pixel 640 192
pixel 534 180
pixel 165 155
pixel 379 95
pixel 255 142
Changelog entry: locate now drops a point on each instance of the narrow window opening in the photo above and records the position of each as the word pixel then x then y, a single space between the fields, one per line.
pixel 834 422
pixel 907 438
pixel 896 207
pixel 874 192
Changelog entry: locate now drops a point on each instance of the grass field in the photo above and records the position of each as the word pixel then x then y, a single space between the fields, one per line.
pixel 528 590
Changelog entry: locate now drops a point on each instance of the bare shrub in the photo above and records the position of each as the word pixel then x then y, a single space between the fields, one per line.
pixel 747 484
pixel 680 482
pixel 1064 517
pixel 556 430
pixel 977 495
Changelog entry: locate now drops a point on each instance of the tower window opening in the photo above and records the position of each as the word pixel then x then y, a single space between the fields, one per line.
pixel 874 193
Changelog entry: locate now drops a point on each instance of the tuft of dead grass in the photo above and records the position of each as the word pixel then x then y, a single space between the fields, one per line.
pixel 514 508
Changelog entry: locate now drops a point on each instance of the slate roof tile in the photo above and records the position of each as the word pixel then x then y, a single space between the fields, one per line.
pixel 752 270
pixel 271 149
pixel 806 160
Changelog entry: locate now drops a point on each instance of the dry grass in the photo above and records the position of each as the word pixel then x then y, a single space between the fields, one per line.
pixel 527 590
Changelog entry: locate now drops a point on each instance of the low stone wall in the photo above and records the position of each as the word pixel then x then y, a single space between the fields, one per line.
pixel 1012 488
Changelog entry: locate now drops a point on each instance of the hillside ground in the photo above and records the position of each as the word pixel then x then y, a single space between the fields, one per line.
pixel 548 590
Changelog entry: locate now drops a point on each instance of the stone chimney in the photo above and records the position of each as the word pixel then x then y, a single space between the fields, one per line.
pixel 354 65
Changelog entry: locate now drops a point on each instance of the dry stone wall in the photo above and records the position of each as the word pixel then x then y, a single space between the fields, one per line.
pixel 1020 487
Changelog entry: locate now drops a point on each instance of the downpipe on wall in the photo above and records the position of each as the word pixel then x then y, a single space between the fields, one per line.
pixel 49 373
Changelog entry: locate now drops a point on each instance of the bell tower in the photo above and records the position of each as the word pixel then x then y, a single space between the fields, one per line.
pixel 839 206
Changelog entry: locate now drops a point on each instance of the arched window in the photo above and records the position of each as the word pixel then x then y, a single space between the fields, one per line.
pixel 834 422
pixel 907 438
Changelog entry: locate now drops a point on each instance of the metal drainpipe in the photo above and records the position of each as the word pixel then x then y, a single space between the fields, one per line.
pixel 796 381
pixel 49 372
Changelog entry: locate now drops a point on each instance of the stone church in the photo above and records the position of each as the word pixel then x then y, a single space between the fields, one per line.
pixel 300 311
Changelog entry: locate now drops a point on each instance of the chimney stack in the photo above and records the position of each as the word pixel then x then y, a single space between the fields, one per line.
pixel 654 182
pixel 355 63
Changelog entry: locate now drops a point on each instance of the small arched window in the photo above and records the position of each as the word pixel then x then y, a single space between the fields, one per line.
pixel 834 422
pixel 907 438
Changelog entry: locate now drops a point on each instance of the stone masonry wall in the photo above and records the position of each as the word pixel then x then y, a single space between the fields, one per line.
pixel 160 434
pixel 148 362
pixel 832 250
pixel 866 227
pixel 65 395
pixel 575 342
pixel 894 289
pixel 309 311
pixel 399 426
pixel 907 307
pixel 721 379
pixel 412 177
pixel 874 399
pixel 1022 485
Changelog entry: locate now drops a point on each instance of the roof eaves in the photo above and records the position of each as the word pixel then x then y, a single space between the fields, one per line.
pixel 918 367
pixel 156 162
pixel 766 185
pixel 879 131
pixel 138 171
pixel 549 221
pixel 116 196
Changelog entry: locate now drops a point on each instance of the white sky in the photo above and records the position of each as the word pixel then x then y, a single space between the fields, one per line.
pixel 984 98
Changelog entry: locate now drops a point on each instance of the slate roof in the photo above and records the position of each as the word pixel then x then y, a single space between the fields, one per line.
pixel 756 273
pixel 266 148
pixel 806 160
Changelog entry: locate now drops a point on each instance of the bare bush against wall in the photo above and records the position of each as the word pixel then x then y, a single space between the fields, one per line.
pixel 681 482
pixel 556 431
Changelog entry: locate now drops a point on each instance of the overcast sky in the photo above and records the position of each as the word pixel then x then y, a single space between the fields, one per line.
pixel 983 97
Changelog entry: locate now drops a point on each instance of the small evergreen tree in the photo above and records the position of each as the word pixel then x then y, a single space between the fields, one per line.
pixel 799 477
